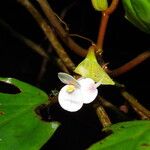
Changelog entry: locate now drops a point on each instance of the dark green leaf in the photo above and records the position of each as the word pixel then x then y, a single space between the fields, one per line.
pixel 137 12
pixel 132 135
pixel 20 127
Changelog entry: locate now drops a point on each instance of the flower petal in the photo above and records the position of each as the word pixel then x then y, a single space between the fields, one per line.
pixel 67 79
pixel 88 89
pixel 70 101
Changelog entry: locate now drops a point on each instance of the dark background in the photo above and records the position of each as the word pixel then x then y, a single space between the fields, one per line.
pixel 123 42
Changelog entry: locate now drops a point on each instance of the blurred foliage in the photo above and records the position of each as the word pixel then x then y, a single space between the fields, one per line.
pixel 137 12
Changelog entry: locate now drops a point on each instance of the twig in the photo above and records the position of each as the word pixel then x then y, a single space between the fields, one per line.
pixel 112 7
pixel 104 119
pixel 102 115
pixel 58 61
pixel 61 65
pixel 82 37
pixel 49 33
pixel 134 103
pixel 59 29
pixel 130 65
pixel 67 8
pixel 104 22
pixel 141 115
pixel 109 105
pixel 42 70
pixel 38 49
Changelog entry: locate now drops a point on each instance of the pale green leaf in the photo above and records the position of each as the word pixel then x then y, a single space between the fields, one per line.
pixel 90 68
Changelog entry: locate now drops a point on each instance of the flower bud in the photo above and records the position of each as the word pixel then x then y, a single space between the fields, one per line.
pixel 100 5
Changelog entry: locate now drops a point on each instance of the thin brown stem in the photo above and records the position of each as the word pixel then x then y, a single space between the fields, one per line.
pixel 104 22
pixel 112 7
pixel 102 115
pixel 105 103
pixel 37 48
pixel 102 30
pixel 59 29
pixel 42 70
pixel 134 103
pixel 130 65
pixel 82 37
pixel 49 33
pixel 104 119
pixel 141 115
pixel 62 66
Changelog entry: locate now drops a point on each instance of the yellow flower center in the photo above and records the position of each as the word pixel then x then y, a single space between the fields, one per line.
pixel 70 88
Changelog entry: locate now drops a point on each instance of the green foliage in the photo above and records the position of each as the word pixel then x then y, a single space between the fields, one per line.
pixel 132 135
pixel 20 127
pixel 138 13
pixel 100 5
pixel 90 68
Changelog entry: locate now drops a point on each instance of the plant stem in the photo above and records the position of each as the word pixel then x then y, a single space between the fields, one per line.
pixel 49 33
pixel 104 22
pixel 59 29
pixel 135 104
pixel 42 70
pixel 102 115
pixel 141 115
pixel 61 65
pixel 104 119
pixel 102 30
pixel 38 49
pixel 109 105
pixel 130 65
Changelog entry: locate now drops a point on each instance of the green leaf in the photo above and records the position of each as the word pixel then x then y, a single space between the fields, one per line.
pixel 90 68
pixel 20 127
pixel 100 5
pixel 142 9
pixel 132 135
pixel 137 12
pixel 131 16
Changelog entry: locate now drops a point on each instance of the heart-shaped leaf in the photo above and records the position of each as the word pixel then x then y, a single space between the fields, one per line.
pixel 132 135
pixel 20 127
pixel 90 68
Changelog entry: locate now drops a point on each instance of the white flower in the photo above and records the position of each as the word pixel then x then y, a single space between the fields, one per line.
pixel 77 92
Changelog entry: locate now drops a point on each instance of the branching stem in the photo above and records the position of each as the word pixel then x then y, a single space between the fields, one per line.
pixel 135 104
pixel 49 33
pixel 129 65
pixel 104 22
pixel 59 29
